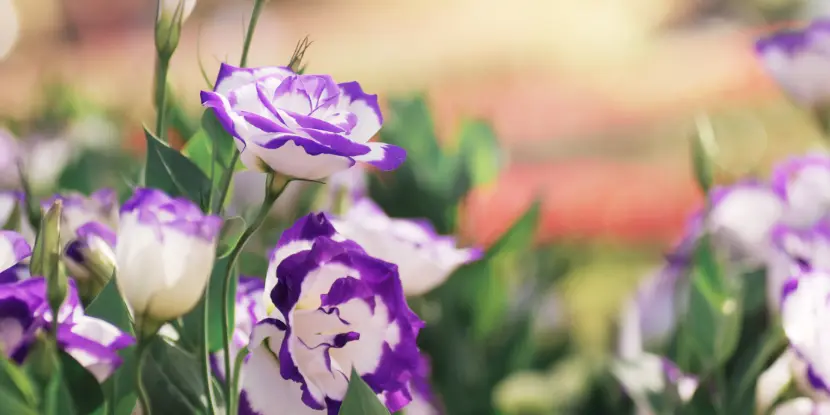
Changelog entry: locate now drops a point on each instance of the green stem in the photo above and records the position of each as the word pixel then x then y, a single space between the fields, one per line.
pixel 143 397
pixel 205 349
pixel 249 36
pixel 162 67
pixel 234 380
pixel 271 196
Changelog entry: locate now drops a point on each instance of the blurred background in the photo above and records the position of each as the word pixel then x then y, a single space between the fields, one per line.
pixel 590 104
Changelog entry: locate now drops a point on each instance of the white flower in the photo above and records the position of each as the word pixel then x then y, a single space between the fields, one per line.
pixel 424 258
pixel 164 254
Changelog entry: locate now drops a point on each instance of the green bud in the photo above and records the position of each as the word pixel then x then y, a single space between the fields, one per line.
pixel 703 148
pixel 296 63
pixel 47 254
pixel 171 14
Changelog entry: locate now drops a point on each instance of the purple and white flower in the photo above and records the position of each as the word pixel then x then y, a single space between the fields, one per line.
pixel 424 401
pixel 804 184
pixel 344 188
pixel 78 210
pixel 13 250
pixel 651 316
pixel 802 406
pixel 332 308
pixel 424 258
pixel 24 311
pixel 741 219
pixel 654 383
pixel 799 60
pixel 788 369
pixel 803 309
pixel 165 253
pixel 301 126
pixel 249 309
pixel 90 257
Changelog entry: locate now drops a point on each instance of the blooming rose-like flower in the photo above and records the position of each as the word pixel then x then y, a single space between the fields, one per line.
pixel 164 255
pixel 24 310
pixel 424 258
pixel 799 60
pixel 803 309
pixel 302 126
pixel 249 309
pixel 333 308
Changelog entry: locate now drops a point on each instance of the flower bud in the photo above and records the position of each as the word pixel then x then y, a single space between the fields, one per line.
pixel 164 255
pixel 90 258
pixel 171 15
pixel 46 256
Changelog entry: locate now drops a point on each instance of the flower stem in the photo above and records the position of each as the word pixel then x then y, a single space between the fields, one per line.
pixel 271 196
pixel 162 66
pixel 234 380
pixel 205 349
pixel 143 398
pixel 249 36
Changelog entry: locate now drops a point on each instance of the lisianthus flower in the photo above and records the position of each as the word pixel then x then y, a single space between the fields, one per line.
pixel 301 126
pixel 78 210
pixel 25 311
pixel 333 308
pixel 803 307
pixel 798 60
pixel 424 258
pixel 164 255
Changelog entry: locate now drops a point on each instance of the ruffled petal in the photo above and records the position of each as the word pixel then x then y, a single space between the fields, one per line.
pixel 366 109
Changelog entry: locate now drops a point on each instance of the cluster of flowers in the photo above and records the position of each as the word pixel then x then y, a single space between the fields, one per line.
pixel 334 297
pixel 781 225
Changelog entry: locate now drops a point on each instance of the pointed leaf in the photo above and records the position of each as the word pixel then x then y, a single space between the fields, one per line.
pixel 84 389
pixel 360 399
pixel 175 174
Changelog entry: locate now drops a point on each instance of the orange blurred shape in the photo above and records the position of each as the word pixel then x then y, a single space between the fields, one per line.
pixel 585 199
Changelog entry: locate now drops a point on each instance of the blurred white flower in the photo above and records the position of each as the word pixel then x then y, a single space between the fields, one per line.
pixel 9 27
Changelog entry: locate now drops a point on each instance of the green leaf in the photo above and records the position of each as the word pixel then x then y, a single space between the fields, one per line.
pixel 480 150
pixel 703 146
pixel 119 389
pixel 213 150
pixel 491 283
pixel 175 174
pixel 84 389
pixel 17 393
pixel 193 331
pixel 715 309
pixel 232 231
pixel 360 399
pixel 410 126
pixel 173 380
